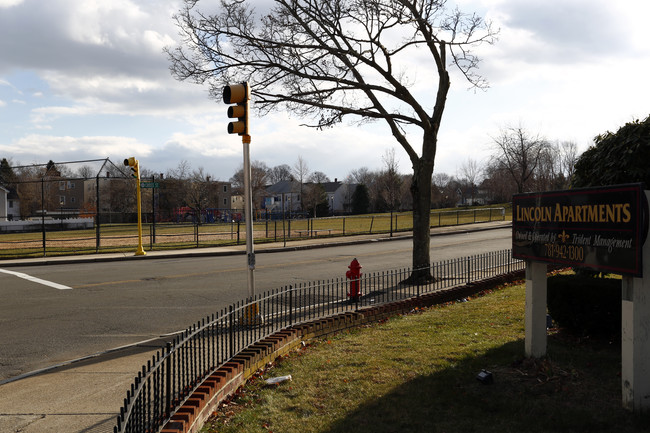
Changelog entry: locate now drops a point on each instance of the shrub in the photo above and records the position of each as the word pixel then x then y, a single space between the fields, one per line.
pixel 585 305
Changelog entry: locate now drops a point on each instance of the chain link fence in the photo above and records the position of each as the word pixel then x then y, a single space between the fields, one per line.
pixel 50 233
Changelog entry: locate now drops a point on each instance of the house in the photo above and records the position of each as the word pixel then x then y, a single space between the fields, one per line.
pixel 471 195
pixel 282 197
pixel 70 196
pixel 286 196
pixel 9 204
pixel 339 196
pixel 13 205
pixel 223 195
pixel 4 193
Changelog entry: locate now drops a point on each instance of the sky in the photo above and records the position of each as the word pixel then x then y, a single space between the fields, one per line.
pixel 88 79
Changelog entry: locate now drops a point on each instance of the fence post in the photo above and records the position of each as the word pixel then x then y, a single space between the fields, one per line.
pixel 231 332
pixel 153 211
pixel 168 378
pixel 43 214
pixel 290 305
pixel 97 214
pixel 509 261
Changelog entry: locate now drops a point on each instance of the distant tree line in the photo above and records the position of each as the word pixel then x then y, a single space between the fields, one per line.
pixel 520 161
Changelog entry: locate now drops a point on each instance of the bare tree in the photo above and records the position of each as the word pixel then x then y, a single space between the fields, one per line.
pixel 86 172
pixel 199 192
pixel 301 172
pixel 568 155
pixel 181 172
pixel 361 175
pixel 259 180
pixel 329 60
pixel 315 200
pixel 390 181
pixel 520 154
pixel 279 173
pixel 499 183
pixel 470 172
pixel 318 177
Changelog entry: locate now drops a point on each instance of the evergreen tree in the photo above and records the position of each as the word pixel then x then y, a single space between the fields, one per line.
pixel 616 158
pixel 360 199
pixel 7 175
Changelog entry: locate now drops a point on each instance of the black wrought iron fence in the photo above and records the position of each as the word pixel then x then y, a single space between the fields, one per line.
pixel 174 373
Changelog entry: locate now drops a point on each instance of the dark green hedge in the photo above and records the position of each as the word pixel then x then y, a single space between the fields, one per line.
pixel 585 305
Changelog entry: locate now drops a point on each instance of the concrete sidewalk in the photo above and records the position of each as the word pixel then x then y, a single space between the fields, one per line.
pixel 85 395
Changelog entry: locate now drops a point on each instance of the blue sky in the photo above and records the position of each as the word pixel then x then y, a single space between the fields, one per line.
pixel 87 79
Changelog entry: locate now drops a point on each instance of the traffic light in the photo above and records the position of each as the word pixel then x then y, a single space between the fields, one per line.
pixel 237 94
pixel 135 167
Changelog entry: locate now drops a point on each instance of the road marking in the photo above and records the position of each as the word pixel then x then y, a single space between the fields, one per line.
pixel 36 280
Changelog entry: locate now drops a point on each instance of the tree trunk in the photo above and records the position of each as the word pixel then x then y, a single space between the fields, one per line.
pixel 421 192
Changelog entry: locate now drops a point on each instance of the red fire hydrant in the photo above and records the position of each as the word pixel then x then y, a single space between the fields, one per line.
pixel 354 274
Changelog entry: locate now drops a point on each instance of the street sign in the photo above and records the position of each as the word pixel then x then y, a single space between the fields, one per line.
pixel 149 185
pixel 603 228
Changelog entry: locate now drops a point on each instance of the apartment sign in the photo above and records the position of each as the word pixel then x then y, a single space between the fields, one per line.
pixel 600 228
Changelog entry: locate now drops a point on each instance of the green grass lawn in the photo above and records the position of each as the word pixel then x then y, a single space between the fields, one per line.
pixel 417 373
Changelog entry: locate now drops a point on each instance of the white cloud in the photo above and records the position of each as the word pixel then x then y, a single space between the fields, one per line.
pixel 93 75
pixel 74 148
pixel 99 22
pixel 9 3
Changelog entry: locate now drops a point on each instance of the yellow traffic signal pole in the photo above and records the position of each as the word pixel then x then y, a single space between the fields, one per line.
pixel 135 167
pixel 140 251
pixel 248 214
pixel 240 94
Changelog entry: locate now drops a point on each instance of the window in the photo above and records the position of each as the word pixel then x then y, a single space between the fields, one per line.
pixel 225 202
pixel 225 188
pixel 61 200
pixel 72 199
pixel 70 185
pixel 61 186
pixel 11 204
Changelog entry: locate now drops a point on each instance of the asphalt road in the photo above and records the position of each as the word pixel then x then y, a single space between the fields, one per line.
pixel 51 314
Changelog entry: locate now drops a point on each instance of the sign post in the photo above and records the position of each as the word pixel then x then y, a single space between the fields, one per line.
pixel 635 340
pixel 604 229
